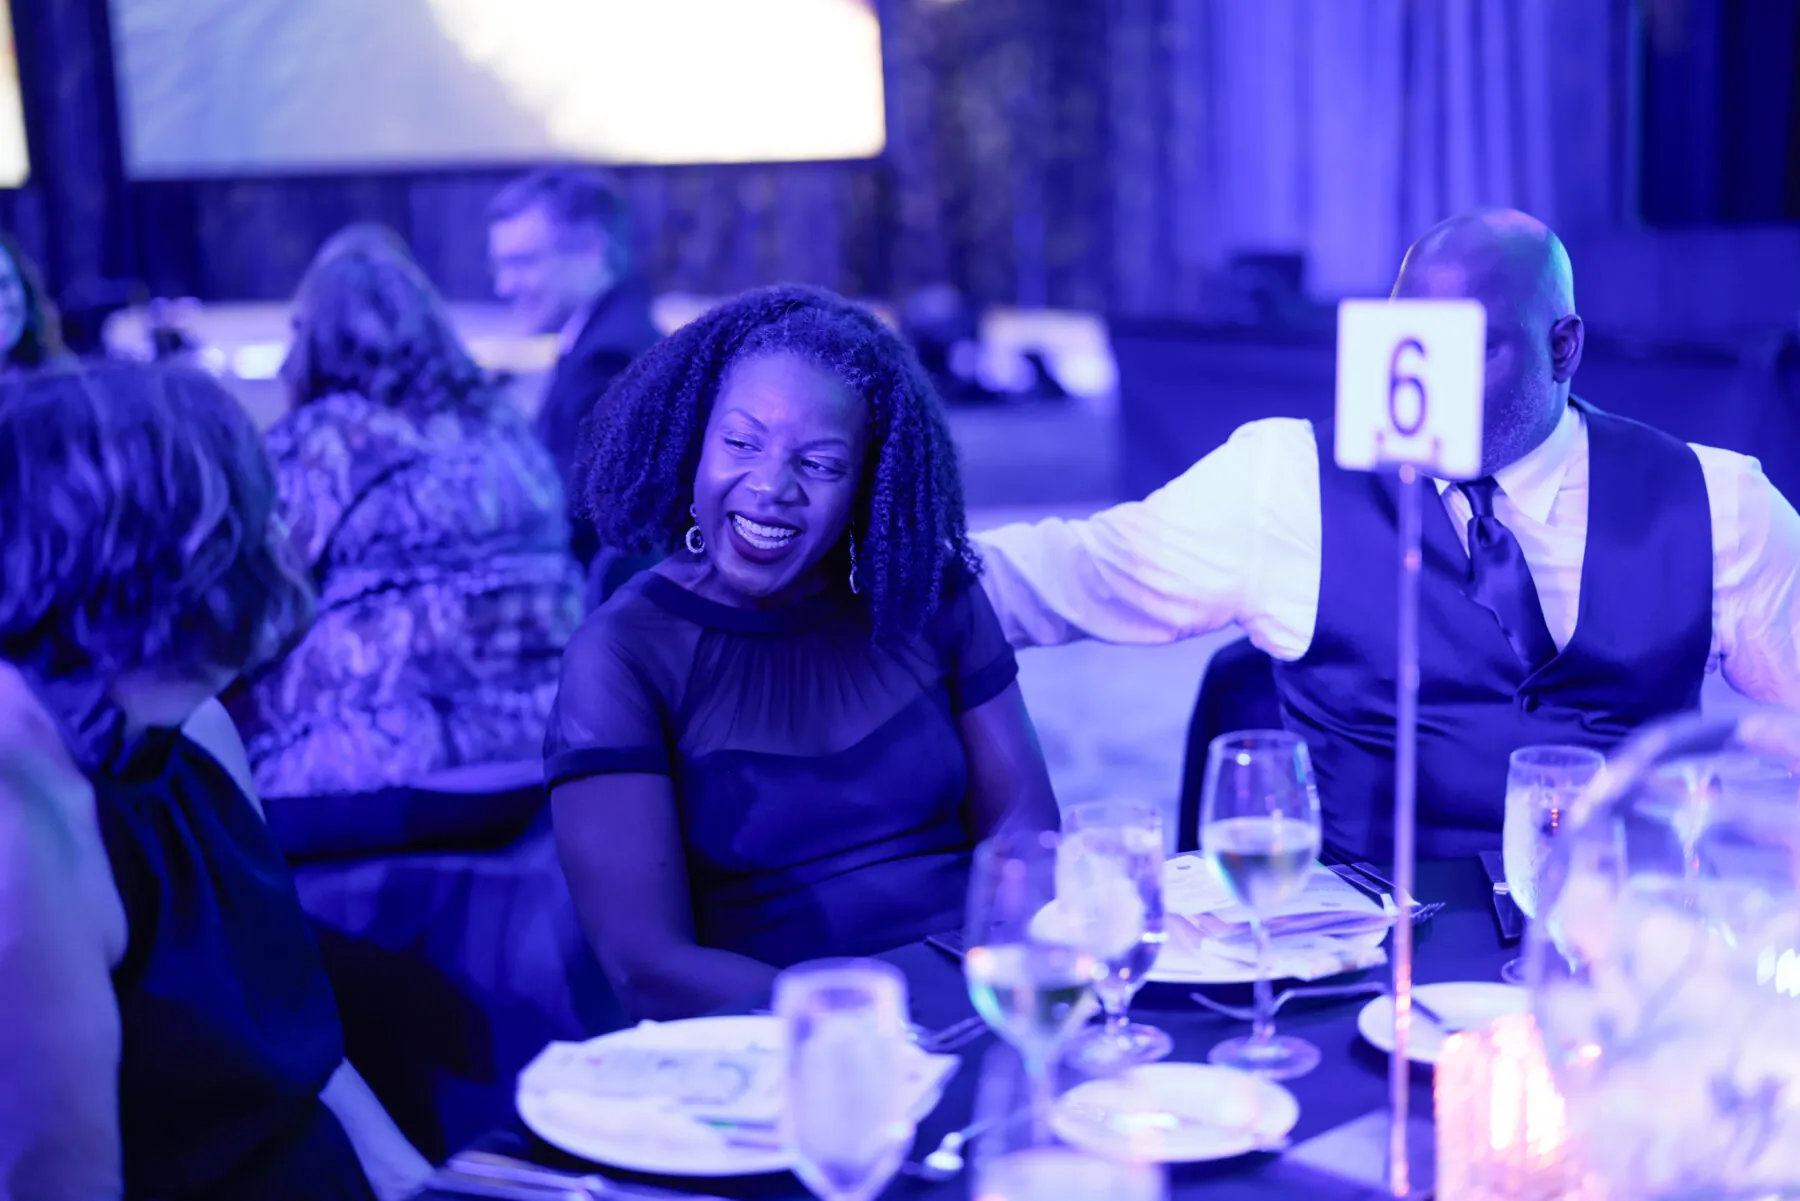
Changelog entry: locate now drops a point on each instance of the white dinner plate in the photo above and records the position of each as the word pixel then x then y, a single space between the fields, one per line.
pixel 1467 1006
pixel 1176 1113
pixel 640 1137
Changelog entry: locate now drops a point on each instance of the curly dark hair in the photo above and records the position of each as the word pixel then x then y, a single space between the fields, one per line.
pixel 139 527
pixel 368 321
pixel 641 445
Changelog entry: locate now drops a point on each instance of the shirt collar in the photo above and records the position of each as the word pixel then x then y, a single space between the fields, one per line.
pixel 571 330
pixel 1533 481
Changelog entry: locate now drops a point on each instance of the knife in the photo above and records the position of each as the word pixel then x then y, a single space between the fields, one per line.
pixel 504 1171
pixel 1506 910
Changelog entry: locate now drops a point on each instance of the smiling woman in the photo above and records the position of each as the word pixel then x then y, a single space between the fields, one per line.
pixel 782 742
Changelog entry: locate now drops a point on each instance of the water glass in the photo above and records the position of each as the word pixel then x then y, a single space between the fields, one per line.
pixel 1110 872
pixel 1542 785
pixel 849 1064
pixel 1016 1158
pixel 1029 971
pixel 1259 828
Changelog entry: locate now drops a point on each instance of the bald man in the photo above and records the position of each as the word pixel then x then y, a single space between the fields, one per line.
pixel 1677 560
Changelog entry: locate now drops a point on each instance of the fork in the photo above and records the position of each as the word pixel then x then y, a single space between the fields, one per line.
pixel 1363 878
pixel 1362 988
pixel 953 1037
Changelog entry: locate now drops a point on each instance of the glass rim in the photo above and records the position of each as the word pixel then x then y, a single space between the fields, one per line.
pixel 1147 807
pixel 1012 844
pixel 1556 754
pixel 1245 740
pixel 822 972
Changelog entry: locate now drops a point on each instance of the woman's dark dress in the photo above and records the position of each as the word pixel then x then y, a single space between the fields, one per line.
pixel 820 779
pixel 229 1025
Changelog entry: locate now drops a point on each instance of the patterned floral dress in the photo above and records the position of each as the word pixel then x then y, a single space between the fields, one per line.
pixel 439 548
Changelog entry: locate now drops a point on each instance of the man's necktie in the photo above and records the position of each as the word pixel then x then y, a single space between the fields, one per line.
pixel 1500 580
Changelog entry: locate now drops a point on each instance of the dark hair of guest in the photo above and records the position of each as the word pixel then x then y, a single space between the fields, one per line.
pixel 573 198
pixel 41 342
pixel 367 321
pixel 641 445
pixel 139 527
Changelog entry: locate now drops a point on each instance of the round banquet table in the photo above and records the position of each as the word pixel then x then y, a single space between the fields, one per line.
pixel 1461 943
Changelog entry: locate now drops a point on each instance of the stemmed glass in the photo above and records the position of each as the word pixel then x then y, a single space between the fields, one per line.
pixel 1542 785
pixel 1259 828
pixel 849 1112
pixel 1110 873
pixel 1029 973
pixel 1014 1160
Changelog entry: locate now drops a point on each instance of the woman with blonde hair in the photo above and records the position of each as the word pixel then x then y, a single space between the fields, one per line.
pixel 431 522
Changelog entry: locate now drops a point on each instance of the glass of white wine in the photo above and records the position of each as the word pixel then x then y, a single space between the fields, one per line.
pixel 1014 1160
pixel 1029 973
pixel 849 1059
pixel 1542 785
pixel 1110 875
pixel 1259 828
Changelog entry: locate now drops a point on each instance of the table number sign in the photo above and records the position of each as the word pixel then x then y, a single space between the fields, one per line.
pixel 1409 398
pixel 1409 382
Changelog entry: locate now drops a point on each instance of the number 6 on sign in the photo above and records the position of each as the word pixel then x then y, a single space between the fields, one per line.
pixel 1409 382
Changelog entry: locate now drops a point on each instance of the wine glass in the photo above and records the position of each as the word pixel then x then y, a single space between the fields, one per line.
pixel 1542 785
pixel 1110 874
pixel 1259 828
pixel 849 1060
pixel 1017 1159
pixel 1029 974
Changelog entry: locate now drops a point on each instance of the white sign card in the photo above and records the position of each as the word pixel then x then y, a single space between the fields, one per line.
pixel 1409 385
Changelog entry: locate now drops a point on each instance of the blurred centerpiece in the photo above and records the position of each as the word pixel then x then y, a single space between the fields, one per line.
pixel 1666 962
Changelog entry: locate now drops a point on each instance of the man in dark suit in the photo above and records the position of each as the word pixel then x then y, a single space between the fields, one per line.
pixel 559 241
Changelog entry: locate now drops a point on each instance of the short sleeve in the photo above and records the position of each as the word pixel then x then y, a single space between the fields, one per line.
pixel 979 664
pixel 608 717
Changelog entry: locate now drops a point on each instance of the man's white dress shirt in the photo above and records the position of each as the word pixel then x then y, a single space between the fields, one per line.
pixel 1236 539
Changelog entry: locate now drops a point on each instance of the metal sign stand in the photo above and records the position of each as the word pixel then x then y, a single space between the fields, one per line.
pixel 1406 778
pixel 1394 1153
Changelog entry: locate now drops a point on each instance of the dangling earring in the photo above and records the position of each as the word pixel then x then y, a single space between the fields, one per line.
pixel 695 540
pixel 853 588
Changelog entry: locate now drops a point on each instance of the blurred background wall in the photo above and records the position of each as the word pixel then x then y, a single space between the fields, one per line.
pixel 1119 156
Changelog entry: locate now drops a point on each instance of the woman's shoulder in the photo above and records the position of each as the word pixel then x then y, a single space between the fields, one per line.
pixel 961 605
pixel 633 628
pixel 344 423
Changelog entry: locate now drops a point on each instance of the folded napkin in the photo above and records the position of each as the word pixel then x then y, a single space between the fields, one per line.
pixel 1326 928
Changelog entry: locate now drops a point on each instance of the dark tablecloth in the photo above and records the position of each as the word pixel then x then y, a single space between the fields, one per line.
pixel 1460 943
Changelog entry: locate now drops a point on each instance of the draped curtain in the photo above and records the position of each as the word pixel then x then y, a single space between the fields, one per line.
pixel 1110 155
pixel 1340 129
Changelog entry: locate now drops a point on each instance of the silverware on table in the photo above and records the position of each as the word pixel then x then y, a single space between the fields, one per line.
pixel 1366 879
pixel 1362 988
pixel 485 1168
pixel 953 1037
pixel 945 1160
pixel 1506 910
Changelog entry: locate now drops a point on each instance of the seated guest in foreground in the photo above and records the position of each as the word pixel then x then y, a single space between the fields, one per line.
pixel 169 1029
pixel 30 332
pixel 432 524
pixel 1676 559
pixel 783 741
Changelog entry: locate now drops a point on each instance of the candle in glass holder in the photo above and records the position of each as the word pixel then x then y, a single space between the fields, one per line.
pixel 1502 1130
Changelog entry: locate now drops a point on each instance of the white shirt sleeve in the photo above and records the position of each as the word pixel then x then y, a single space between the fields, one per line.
pixel 1235 538
pixel 1756 578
